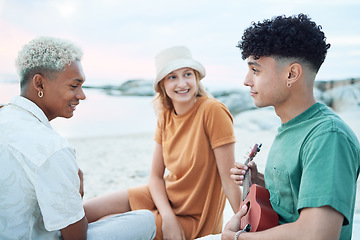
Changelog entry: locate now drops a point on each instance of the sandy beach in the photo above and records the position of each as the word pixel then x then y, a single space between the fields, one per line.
pixel 113 138
pixel 122 161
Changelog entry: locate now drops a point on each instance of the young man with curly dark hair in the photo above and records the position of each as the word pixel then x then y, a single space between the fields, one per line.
pixel 313 164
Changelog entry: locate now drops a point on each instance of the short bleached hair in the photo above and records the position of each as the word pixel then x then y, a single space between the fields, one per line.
pixel 45 55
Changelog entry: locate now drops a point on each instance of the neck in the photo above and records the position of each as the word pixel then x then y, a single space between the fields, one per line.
pixel 295 105
pixel 32 96
pixel 182 108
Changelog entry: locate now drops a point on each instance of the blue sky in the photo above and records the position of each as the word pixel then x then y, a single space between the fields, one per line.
pixel 121 37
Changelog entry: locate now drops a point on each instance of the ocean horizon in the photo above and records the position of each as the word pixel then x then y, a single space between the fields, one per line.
pixel 99 114
pixel 92 82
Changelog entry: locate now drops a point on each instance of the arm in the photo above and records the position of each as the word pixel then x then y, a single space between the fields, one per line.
pixel 238 172
pixel 170 226
pixel 225 159
pixel 81 177
pixel 57 191
pixel 76 230
pixel 322 223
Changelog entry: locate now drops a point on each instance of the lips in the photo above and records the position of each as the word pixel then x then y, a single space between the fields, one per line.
pixel 73 106
pixel 183 91
pixel 252 92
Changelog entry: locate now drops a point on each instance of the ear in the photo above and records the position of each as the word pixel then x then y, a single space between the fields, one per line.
pixel 37 82
pixel 295 71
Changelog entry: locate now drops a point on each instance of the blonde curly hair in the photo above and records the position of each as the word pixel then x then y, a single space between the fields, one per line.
pixel 45 55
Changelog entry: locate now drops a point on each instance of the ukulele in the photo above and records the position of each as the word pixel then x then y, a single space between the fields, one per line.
pixel 260 214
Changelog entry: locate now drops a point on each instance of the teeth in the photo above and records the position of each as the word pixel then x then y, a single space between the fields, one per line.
pixel 184 91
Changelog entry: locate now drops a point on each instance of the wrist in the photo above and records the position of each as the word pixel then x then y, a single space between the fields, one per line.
pixel 168 215
pixel 238 233
pixel 247 228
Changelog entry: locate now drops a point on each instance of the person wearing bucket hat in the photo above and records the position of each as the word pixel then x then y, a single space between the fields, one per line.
pixel 175 58
pixel 194 142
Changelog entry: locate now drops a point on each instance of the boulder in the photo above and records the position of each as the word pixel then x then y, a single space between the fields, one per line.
pixel 344 97
pixel 235 100
pixel 258 119
pixel 137 88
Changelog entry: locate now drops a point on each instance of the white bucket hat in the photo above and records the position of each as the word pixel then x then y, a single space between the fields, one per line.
pixel 172 59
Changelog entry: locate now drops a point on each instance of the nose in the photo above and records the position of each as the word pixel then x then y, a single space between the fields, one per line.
pixel 248 80
pixel 182 82
pixel 80 94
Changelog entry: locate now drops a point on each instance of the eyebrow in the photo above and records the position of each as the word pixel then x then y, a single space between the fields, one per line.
pixel 185 70
pixel 250 63
pixel 79 80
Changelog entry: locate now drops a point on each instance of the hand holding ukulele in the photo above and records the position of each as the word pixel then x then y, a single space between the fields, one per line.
pixel 260 214
pixel 239 170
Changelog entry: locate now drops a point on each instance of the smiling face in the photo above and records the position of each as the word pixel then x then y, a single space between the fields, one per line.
pixel 267 82
pixel 63 92
pixel 180 86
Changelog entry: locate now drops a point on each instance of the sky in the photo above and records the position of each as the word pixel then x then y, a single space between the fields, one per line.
pixel 121 37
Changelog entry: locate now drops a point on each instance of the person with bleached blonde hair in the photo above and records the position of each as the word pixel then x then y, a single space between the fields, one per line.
pixel 41 185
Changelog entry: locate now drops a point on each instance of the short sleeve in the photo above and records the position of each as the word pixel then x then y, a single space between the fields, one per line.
pixel 329 174
pixel 219 125
pixel 57 189
pixel 158 131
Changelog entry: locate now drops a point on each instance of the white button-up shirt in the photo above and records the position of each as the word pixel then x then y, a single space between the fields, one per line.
pixel 39 182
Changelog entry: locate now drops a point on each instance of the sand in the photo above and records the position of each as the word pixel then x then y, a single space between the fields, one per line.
pixel 121 161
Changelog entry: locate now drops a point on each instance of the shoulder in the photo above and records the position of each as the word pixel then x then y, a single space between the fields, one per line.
pixel 163 117
pixel 211 104
pixel 213 108
pixel 33 139
pixel 329 133
pixel 329 121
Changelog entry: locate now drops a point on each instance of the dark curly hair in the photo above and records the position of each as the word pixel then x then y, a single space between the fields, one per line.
pixel 286 37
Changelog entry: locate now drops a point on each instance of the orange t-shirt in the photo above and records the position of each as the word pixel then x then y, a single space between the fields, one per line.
pixel 193 183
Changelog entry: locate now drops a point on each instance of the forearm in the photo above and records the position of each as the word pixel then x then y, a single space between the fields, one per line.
pixel 157 184
pixel 159 195
pixel 322 223
pixel 281 232
pixel 75 231
pixel 233 194
pixel 288 231
pixel 225 160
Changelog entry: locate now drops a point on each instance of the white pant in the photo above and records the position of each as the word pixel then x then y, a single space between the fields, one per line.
pixel 134 225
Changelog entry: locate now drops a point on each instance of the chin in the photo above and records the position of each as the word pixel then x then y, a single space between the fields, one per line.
pixel 69 115
pixel 261 105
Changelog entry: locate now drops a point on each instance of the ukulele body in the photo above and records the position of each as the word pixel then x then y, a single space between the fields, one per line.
pixel 260 214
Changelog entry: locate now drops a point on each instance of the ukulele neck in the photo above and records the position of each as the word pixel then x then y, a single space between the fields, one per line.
pixel 247 178
pixel 247 181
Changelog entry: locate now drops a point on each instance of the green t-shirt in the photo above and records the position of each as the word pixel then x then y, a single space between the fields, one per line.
pixel 313 162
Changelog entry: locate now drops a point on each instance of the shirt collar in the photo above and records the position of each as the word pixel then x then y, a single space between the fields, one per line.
pixel 31 108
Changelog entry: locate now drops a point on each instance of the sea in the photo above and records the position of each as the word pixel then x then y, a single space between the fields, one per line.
pixel 100 114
